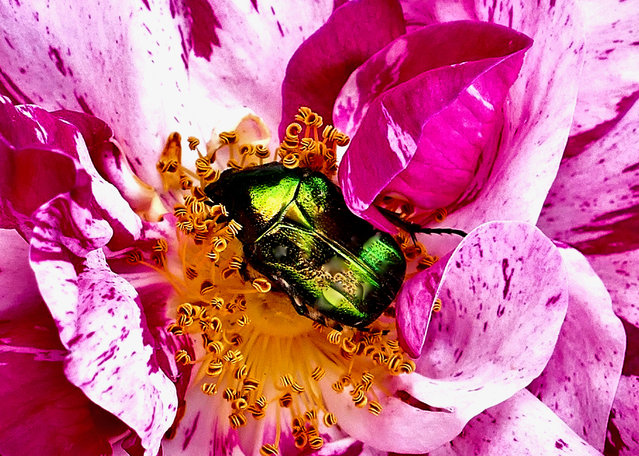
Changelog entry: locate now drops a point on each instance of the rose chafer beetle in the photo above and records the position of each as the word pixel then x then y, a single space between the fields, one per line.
pixel 297 231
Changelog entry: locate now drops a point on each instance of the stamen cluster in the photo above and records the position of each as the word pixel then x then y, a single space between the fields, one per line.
pixel 255 352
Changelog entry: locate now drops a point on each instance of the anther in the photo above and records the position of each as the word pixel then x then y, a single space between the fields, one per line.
pixel 375 408
pixel 181 356
pixel 193 142
pixel 214 368
pixel 261 284
pixel 237 420
pixel 318 373
pixel 286 400
pixel 209 388
pixel 134 256
pixel 329 419
pixel 268 450
pixel 228 137
pixel 334 337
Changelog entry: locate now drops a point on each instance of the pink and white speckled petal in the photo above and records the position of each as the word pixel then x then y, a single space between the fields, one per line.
pixel 580 380
pixel 609 84
pixel 503 305
pixel 522 425
pixel 111 356
pixel 598 212
pixel 322 64
pixel 489 285
pixel 623 434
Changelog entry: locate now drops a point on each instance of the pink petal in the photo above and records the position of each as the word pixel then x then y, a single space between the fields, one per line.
pixel 608 86
pixel 623 434
pixel 493 280
pixel 322 64
pixel 521 425
pixel 580 380
pixel 112 355
pixel 594 206
pixel 539 106
pixel 213 57
pixel 503 306
pixel 17 283
pixel 427 127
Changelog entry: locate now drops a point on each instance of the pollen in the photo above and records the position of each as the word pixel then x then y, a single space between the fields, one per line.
pixel 252 348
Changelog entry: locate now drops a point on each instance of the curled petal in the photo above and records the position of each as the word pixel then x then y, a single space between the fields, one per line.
pixel 488 284
pixel 426 125
pixel 581 377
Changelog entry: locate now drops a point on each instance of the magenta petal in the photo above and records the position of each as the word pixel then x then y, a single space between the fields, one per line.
pixel 44 413
pixel 431 135
pixel 623 433
pixel 523 425
pixel 322 64
pixel 490 284
pixel 580 380
pixel 30 177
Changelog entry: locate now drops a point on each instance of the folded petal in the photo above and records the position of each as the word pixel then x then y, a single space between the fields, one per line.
pixel 427 127
pixel 489 286
pixel 580 380
pixel 322 64
pixel 521 425
pixel 503 306
pixel 623 435
pixel 44 156
pixel 594 206
pixel 101 325
pixel 539 107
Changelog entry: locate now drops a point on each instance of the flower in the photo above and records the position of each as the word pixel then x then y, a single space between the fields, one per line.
pixel 81 231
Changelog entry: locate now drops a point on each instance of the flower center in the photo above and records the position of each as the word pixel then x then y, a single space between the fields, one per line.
pixel 255 350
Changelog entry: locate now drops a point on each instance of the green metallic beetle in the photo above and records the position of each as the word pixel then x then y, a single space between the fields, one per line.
pixel 297 231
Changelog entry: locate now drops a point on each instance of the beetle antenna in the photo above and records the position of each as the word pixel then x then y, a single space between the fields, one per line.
pixel 413 228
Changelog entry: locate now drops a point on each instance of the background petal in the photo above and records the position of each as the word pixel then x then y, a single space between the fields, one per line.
pixel 609 84
pixel 213 58
pixel 623 435
pixel 523 425
pixel 581 378
pixel 594 206
pixel 321 65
